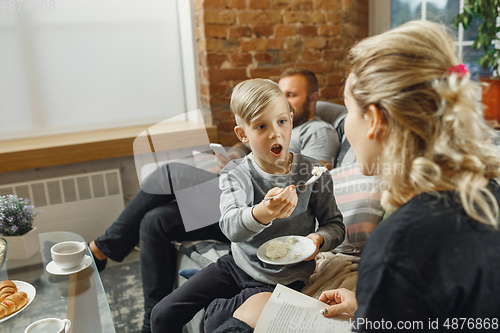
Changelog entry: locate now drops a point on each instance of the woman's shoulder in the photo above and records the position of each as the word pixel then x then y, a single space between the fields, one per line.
pixel 443 206
pixel 427 223
pixel 405 229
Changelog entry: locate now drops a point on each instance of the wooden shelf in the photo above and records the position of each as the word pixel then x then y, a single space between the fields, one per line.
pixel 69 148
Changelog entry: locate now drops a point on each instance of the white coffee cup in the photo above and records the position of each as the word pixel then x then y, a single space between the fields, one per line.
pixel 68 255
pixel 49 325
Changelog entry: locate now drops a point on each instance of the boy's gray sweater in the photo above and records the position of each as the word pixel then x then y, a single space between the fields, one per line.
pixel 244 184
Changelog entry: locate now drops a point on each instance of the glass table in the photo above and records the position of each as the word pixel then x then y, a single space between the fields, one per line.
pixel 80 297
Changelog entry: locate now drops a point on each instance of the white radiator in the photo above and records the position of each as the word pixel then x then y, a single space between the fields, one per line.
pixel 86 204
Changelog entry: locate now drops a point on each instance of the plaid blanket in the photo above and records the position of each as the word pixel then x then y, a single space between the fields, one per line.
pixel 203 252
pixel 332 270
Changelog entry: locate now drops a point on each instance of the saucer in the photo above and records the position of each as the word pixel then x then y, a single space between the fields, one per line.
pixel 52 267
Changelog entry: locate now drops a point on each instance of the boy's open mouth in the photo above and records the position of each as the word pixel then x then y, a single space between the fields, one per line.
pixel 276 150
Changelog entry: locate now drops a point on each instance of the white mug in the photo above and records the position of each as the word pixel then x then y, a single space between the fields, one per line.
pixel 49 325
pixel 68 255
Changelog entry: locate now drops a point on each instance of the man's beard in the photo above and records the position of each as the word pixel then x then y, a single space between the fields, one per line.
pixel 301 115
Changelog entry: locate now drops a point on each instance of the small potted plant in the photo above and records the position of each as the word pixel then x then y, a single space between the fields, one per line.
pixel 487 39
pixel 16 226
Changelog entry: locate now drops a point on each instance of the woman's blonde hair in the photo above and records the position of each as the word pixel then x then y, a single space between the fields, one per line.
pixel 251 97
pixel 436 138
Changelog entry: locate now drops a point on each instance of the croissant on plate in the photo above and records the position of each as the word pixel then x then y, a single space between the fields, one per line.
pixel 7 288
pixel 13 303
pixel 11 300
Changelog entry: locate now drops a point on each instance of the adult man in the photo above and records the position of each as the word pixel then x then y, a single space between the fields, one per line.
pixel 310 136
pixel 157 221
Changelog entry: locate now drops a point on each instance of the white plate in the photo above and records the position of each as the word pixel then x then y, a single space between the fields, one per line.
pixel 52 267
pixel 29 290
pixel 304 248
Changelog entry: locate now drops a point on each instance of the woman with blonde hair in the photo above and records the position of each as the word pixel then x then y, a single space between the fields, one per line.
pixel 413 120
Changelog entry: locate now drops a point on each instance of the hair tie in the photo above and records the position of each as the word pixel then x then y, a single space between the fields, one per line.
pixel 460 70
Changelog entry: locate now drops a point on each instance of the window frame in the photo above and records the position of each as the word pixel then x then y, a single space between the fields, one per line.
pixel 379 21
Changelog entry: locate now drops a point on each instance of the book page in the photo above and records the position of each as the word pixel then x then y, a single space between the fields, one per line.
pixel 289 311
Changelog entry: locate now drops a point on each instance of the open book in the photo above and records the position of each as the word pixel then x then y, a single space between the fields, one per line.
pixel 290 311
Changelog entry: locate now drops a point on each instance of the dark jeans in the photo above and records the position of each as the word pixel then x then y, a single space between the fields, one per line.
pixel 155 219
pixel 221 288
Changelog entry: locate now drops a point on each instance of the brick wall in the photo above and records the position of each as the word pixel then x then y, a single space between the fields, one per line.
pixel 242 39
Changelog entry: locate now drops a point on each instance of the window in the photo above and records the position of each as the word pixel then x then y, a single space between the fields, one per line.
pixel 79 65
pixel 440 11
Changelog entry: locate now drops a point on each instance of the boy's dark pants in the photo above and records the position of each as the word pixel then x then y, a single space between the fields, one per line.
pixel 221 288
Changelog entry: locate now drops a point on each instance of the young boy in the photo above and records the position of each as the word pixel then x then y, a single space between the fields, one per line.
pixel 263 119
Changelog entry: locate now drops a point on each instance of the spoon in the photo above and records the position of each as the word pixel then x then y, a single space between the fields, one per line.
pixel 309 182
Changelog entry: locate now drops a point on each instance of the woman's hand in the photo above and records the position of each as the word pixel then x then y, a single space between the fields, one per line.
pixel 318 241
pixel 339 301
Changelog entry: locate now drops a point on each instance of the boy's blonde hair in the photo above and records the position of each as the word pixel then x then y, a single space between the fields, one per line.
pixel 435 134
pixel 251 97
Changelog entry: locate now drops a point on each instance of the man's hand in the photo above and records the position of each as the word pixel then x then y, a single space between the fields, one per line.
pixel 222 161
pixel 233 153
pixel 281 206
pixel 318 241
